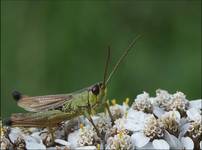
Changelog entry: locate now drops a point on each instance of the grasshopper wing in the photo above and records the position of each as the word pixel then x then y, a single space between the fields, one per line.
pixel 41 103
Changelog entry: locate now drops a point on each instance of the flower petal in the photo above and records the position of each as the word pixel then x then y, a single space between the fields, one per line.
pixel 196 103
pixel 139 139
pixel 194 114
pixel 173 141
pixel 73 139
pixel 158 111
pixel 184 129
pixel 33 143
pixel 183 121
pixel 37 136
pixel 187 143
pixel 160 144
pixel 148 146
pixel 15 133
pixel 86 148
pixel 35 146
pixel 177 115
pixel 131 125
pixel 62 142
pixel 136 120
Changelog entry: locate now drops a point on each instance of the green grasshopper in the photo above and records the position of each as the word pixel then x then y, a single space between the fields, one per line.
pixel 50 110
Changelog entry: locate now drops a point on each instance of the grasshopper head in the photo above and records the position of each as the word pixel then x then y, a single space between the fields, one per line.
pixel 99 91
pixel 98 88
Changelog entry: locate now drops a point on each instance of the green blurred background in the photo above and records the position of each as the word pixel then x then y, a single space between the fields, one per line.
pixel 50 47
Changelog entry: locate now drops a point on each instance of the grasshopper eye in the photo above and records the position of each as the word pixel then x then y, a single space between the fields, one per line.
pixel 95 89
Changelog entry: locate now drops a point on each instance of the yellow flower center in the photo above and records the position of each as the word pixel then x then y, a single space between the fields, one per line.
pixel 81 126
pixel 126 101
pixel 98 146
pixel 113 102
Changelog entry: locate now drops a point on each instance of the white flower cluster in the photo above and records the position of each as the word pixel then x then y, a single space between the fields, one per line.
pixel 118 111
pixel 173 122
pixel 86 136
pixel 120 141
pixel 170 122
pixel 142 103
pixel 166 121
pixel 118 137
pixel 103 124
pixel 162 99
pixel 179 102
pixel 153 129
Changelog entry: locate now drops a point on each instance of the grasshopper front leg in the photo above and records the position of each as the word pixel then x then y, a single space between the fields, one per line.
pixel 87 113
pixel 88 116
pixel 109 112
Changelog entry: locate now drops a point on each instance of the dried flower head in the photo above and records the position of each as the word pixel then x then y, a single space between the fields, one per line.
pixel 120 141
pixel 195 130
pixel 162 98
pixel 142 103
pixel 47 137
pixel 87 136
pixel 179 103
pixel 153 129
pixel 195 133
pixel 19 144
pixel 103 124
pixel 170 123
pixel 5 143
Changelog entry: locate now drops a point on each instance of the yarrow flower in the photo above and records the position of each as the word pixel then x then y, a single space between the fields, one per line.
pixel 162 98
pixel 116 110
pixel 103 124
pixel 170 122
pixel 153 129
pixel 119 124
pixel 152 132
pixel 142 103
pixel 195 133
pixel 19 144
pixel 120 141
pixel 5 143
pixel 87 136
pixel 117 128
pixel 195 130
pixel 179 103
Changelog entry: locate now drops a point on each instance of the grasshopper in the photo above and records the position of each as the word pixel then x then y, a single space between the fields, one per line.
pixel 50 110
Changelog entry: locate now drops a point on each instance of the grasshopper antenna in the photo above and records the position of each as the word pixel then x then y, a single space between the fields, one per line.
pixel 125 53
pixel 106 66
